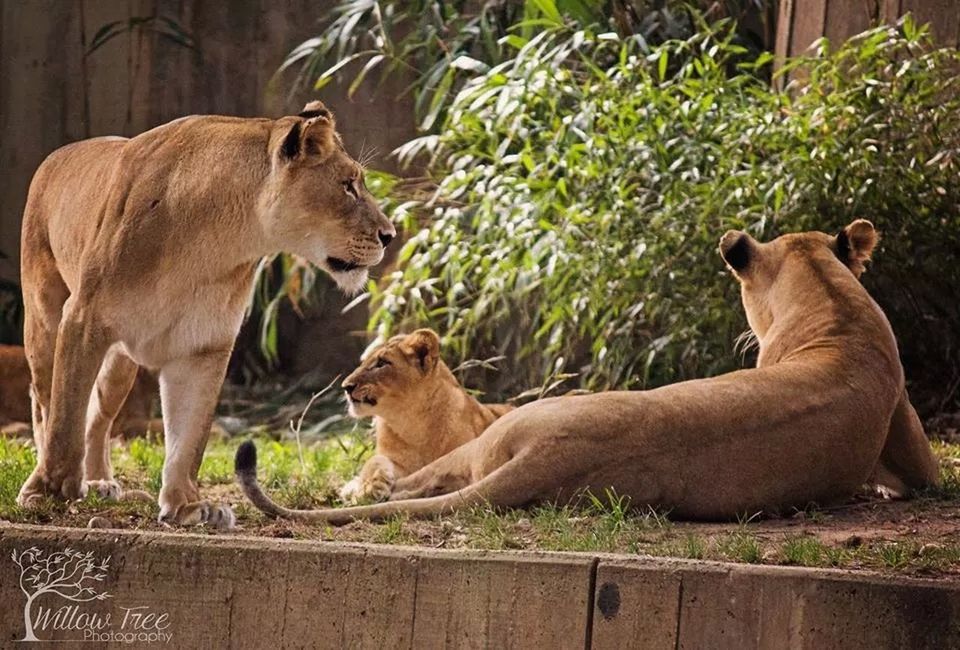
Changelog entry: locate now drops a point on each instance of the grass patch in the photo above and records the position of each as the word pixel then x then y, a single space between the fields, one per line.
pixel 803 551
pixel 740 546
pixel 308 477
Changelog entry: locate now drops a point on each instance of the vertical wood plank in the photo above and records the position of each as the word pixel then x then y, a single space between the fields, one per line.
pixel 943 17
pixel 844 19
pixel 808 25
pixel 43 105
pixel 784 34
pixel 889 11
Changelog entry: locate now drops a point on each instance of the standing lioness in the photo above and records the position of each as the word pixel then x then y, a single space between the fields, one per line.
pixel 807 425
pixel 176 218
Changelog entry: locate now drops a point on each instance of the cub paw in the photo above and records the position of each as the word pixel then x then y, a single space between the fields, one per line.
pixel 373 487
pixel 350 492
pixel 106 489
pixel 379 487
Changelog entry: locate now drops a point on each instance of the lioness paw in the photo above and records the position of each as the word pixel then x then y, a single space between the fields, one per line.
pixel 106 489
pixel 67 486
pixel 887 493
pixel 215 515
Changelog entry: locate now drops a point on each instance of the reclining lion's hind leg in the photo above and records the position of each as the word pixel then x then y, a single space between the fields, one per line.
pixel 116 378
pixel 446 474
pixel 508 486
pixel 906 462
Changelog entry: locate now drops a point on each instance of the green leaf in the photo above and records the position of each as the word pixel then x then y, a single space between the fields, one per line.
pixel 549 10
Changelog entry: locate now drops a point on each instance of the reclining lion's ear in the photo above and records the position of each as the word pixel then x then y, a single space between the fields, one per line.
pixel 855 243
pixel 424 344
pixel 736 249
pixel 315 135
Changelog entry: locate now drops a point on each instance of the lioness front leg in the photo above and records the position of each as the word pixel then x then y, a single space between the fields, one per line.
pixel 112 386
pixel 79 351
pixel 374 482
pixel 189 389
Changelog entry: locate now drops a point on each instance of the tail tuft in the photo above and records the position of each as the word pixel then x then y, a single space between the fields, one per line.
pixel 245 461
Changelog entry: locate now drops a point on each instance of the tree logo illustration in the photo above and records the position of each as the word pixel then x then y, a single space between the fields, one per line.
pixel 70 574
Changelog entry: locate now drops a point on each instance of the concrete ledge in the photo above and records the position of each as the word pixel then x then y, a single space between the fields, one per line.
pixel 188 590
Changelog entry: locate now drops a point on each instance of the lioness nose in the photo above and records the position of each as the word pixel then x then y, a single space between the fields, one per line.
pixel 348 387
pixel 385 237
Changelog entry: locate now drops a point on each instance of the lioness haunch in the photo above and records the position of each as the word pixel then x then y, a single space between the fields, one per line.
pixel 176 218
pixel 824 412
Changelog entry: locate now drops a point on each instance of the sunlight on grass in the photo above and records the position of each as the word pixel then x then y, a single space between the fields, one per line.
pixel 308 477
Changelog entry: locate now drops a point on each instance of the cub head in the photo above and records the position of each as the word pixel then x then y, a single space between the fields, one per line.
pixel 316 204
pixel 792 268
pixel 389 377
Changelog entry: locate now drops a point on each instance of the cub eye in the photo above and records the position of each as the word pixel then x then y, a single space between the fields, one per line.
pixel 350 187
pixel 381 362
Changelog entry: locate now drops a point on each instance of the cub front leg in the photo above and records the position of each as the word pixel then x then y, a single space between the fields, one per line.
pixel 189 389
pixel 373 483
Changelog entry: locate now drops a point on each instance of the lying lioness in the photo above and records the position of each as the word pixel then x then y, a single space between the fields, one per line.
pixel 132 420
pixel 176 218
pixel 14 387
pixel 420 411
pixel 824 410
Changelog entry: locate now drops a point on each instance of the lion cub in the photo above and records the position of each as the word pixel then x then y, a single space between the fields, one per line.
pixel 420 411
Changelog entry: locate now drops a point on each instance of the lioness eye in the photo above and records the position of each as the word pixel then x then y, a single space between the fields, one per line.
pixel 350 187
pixel 381 362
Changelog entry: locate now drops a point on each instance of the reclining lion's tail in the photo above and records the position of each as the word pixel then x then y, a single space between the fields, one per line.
pixel 492 490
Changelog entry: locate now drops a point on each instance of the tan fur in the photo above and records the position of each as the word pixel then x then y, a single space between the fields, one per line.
pixel 824 409
pixel 177 219
pixel 420 411
pixel 14 390
pixel 133 420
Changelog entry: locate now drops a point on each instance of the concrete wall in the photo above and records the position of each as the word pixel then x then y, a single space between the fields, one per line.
pixel 231 591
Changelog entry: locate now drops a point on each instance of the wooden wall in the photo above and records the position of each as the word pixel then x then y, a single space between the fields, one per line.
pixel 801 22
pixel 51 94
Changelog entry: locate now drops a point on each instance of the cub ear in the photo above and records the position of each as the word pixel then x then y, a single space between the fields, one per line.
pixel 855 243
pixel 424 344
pixel 314 135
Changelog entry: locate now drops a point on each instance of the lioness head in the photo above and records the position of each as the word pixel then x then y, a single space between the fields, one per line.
pixel 787 261
pixel 388 378
pixel 316 204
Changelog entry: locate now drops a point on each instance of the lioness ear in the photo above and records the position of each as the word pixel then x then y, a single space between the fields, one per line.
pixel 736 250
pixel 316 109
pixel 313 136
pixel 424 344
pixel 855 243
